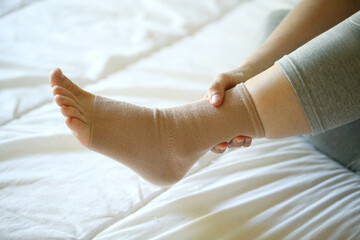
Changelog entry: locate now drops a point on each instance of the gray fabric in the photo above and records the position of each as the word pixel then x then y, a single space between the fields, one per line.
pixel 341 144
pixel 325 74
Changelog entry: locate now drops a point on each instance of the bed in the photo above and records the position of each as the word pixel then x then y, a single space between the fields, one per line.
pixel 153 53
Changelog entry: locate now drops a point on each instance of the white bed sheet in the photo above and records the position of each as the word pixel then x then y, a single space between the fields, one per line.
pixel 152 53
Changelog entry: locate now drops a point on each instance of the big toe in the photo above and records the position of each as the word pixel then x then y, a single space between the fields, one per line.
pixel 57 78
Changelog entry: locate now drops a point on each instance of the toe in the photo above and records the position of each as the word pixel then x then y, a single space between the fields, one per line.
pixel 57 90
pixel 57 78
pixel 72 112
pixel 62 100
pixel 80 130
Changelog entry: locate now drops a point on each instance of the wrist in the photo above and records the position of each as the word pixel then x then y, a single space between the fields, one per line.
pixel 252 67
pixel 261 59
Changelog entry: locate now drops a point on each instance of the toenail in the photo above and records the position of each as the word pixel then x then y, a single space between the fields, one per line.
pixel 59 73
pixel 222 148
pixel 239 141
pixel 248 140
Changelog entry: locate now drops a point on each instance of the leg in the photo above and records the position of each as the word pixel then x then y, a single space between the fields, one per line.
pixel 228 80
pixel 340 144
pixel 159 144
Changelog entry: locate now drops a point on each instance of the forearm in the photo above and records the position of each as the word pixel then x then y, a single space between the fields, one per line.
pixel 307 20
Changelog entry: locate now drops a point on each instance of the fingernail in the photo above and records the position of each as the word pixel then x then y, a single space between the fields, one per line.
pixel 215 98
pixel 248 140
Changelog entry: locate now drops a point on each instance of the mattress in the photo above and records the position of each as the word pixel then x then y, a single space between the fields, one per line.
pixel 152 53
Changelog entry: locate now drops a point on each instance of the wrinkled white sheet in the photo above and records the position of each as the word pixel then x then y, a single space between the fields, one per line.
pixel 152 53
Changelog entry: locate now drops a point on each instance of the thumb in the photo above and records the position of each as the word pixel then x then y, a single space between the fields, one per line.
pixel 216 94
pixel 220 83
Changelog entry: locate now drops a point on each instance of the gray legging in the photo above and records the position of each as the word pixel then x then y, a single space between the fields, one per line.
pixel 342 144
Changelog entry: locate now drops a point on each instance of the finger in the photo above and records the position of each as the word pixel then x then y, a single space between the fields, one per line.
pixel 217 88
pixel 237 142
pixel 247 142
pixel 217 150
pixel 220 148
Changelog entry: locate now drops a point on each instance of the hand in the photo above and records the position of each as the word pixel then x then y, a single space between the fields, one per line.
pixel 215 94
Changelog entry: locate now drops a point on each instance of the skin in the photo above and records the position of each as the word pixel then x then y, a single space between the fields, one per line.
pixel 75 104
pixel 271 86
pixel 278 107
pixel 310 18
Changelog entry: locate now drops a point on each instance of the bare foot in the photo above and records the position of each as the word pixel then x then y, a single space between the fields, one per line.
pixel 75 104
